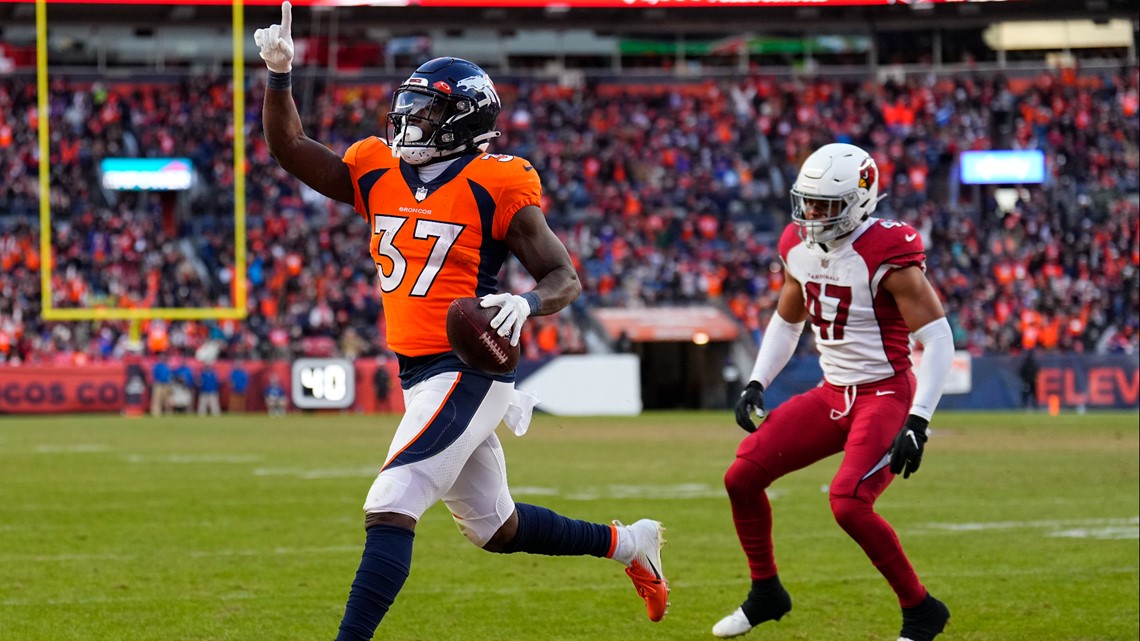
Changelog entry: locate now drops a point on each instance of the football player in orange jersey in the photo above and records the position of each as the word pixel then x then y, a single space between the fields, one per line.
pixel 444 215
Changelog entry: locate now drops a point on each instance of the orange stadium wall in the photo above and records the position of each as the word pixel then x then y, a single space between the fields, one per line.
pixel 101 387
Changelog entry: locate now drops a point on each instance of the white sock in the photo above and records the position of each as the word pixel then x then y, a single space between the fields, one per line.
pixel 626 548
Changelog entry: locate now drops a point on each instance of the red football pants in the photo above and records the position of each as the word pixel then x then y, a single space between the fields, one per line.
pixel 860 421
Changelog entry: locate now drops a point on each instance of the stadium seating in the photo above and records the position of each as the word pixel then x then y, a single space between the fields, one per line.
pixel 667 194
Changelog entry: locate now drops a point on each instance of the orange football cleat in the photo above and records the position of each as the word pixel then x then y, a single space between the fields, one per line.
pixel 645 569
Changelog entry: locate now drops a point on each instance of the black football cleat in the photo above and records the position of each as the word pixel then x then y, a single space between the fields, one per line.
pixel 767 601
pixel 924 621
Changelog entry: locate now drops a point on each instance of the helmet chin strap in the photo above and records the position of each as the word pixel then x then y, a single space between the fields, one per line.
pixel 481 140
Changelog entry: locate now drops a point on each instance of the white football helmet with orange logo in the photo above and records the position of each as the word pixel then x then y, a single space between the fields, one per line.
pixel 840 180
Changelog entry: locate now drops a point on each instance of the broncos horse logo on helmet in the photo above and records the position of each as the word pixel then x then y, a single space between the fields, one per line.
pixel 481 85
pixel 447 107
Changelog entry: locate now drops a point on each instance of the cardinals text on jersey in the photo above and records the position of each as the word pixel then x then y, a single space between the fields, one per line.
pixel 858 327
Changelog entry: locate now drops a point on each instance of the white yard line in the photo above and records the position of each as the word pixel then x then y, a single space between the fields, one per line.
pixel 319 473
pixel 196 554
pixel 194 458
pixel 1041 524
pixel 75 448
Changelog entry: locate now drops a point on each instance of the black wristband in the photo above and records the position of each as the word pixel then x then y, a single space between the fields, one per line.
pixel 532 299
pixel 917 424
pixel 280 80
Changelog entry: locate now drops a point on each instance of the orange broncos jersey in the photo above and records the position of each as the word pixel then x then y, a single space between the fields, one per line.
pixel 437 241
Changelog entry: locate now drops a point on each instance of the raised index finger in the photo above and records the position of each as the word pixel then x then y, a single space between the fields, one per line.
pixel 286 16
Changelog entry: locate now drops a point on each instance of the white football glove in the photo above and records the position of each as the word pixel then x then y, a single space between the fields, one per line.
pixel 513 312
pixel 276 42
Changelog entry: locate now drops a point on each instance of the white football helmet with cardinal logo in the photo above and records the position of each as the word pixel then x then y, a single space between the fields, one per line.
pixel 840 180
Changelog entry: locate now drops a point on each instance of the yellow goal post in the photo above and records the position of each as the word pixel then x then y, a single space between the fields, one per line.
pixel 137 315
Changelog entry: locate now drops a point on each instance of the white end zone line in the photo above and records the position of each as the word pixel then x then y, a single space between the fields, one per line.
pixel 1105 529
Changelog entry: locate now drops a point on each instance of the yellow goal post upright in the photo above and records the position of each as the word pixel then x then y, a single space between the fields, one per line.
pixel 137 315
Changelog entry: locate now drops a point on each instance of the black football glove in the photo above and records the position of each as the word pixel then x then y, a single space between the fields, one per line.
pixel 751 400
pixel 906 450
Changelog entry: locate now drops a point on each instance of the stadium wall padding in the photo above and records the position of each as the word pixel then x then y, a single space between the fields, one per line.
pixel 62 389
pixel 1077 380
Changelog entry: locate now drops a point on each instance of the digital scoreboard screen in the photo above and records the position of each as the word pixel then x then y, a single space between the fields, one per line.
pixel 1009 167
pixel 147 174
pixel 323 383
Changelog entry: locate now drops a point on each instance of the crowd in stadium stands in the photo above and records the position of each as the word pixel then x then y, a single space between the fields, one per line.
pixel 664 193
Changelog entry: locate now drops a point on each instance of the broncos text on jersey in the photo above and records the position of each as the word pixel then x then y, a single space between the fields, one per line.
pixel 436 241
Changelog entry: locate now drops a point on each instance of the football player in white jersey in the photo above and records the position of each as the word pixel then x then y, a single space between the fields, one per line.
pixel 860 281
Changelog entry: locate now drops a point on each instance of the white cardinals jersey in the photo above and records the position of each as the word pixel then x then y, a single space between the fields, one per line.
pixel 858 327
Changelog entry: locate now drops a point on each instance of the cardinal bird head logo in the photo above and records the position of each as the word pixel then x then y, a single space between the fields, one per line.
pixel 867 174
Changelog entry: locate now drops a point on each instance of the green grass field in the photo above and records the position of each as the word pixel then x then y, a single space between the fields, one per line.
pixel 250 529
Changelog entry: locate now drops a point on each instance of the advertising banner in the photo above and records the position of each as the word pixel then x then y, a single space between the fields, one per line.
pixel 1074 381
pixel 61 390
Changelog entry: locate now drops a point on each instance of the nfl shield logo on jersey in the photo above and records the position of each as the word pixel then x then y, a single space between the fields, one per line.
pixel 421 193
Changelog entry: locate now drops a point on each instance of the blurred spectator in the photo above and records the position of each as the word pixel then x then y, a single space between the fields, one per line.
pixel 181 395
pixel 1118 340
pixel 732 385
pixel 664 193
pixel 1028 374
pixel 161 387
pixel 209 392
pixel 276 403
pixel 382 383
pixel 239 385
pixel 352 346
pixel 623 345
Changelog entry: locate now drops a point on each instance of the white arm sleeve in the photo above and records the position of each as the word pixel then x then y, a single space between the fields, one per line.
pixel 937 356
pixel 776 349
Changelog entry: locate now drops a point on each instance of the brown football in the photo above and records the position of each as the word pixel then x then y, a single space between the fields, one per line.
pixel 475 342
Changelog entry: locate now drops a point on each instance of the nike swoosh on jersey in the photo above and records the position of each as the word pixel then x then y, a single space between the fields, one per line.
pixel 910 237
pixel 528 168
pixel 883 392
